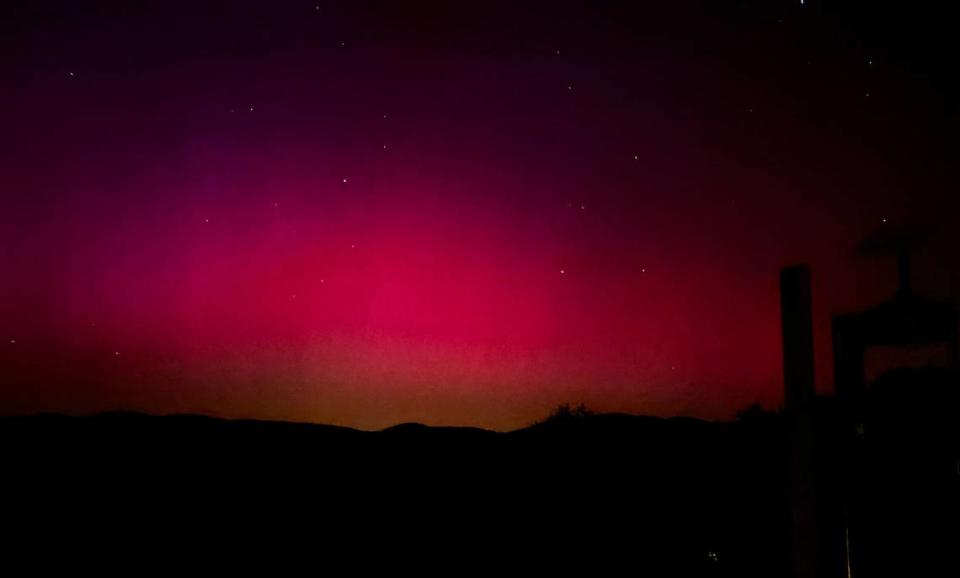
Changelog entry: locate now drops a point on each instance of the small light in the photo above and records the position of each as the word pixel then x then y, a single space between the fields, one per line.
pixel 344 180
pixel 115 353
pixel 562 272
pixel 13 341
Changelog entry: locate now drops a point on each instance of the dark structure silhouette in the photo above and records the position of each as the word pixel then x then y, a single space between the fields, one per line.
pixel 859 463
pixel 797 328
pixel 904 321
pixel 907 319
pixel 798 394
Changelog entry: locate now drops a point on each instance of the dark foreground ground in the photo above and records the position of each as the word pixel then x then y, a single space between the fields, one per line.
pixel 603 494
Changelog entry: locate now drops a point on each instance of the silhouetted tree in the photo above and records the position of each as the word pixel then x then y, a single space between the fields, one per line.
pixel 755 414
pixel 565 413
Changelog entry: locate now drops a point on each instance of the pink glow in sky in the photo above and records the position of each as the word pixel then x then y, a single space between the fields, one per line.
pixel 370 216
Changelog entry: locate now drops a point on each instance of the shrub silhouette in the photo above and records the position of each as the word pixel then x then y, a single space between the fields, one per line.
pixel 566 413
pixel 755 413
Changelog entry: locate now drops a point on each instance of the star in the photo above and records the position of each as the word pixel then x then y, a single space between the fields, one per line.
pixel 583 207
pixel 251 109
pixel 636 157
pixel 883 220
pixel 352 246
pixel 344 179
pixel 116 353
pixel 562 272
pixel 13 341
pixel 643 270
pixel 71 74
pixel 206 220
pixel 569 87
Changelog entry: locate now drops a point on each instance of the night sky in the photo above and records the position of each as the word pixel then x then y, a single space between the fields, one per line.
pixel 366 213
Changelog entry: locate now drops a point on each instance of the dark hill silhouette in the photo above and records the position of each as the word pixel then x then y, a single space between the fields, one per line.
pixel 598 489
pixel 598 492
